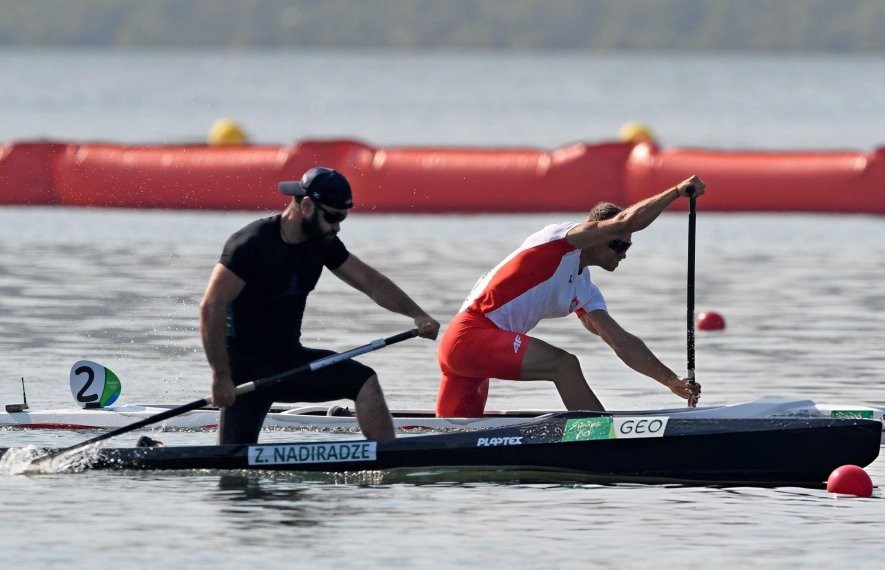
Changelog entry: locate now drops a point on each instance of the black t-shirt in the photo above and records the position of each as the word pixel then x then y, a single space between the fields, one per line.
pixel 264 321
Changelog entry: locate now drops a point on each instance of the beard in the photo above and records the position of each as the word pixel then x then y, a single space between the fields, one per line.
pixel 312 230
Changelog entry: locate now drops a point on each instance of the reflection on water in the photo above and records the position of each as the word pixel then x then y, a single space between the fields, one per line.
pixel 281 504
pixel 307 499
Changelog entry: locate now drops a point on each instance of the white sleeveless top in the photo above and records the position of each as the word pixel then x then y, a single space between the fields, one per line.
pixel 540 280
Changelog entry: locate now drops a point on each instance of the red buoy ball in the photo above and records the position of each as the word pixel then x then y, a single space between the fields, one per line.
pixel 850 480
pixel 711 321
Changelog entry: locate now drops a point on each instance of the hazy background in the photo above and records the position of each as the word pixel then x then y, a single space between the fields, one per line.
pixel 731 74
pixel 804 306
pixel 599 25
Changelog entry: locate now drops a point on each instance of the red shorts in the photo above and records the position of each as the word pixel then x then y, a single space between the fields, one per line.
pixel 472 350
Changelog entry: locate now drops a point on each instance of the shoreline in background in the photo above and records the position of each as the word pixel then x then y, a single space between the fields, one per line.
pixel 474 25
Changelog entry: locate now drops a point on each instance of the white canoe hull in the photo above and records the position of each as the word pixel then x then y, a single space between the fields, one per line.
pixel 323 418
pixel 320 418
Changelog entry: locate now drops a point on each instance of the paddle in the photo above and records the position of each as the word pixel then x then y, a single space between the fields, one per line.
pixel 241 389
pixel 692 215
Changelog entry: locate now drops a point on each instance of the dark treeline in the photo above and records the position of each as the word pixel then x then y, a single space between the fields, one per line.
pixel 684 25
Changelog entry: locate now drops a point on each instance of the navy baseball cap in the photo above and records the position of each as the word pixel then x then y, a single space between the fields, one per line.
pixel 324 185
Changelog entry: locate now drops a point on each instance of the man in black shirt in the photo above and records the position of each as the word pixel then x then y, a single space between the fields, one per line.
pixel 251 313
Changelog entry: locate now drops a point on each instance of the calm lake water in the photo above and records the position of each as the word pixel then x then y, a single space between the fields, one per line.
pixel 802 296
pixel 542 100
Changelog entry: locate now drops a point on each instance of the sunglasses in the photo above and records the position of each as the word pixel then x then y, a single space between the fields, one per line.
pixel 329 216
pixel 619 246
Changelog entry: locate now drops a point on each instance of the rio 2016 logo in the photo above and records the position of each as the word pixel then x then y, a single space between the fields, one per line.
pixel 614 427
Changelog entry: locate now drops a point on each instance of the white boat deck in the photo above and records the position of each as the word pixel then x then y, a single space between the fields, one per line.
pixel 324 418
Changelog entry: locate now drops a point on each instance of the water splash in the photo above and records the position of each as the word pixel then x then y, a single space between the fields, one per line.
pixel 16 460
pixel 24 461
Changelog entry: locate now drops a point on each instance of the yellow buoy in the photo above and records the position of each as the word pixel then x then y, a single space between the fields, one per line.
pixel 634 132
pixel 226 132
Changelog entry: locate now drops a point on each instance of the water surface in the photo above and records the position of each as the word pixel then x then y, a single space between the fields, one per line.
pixel 802 296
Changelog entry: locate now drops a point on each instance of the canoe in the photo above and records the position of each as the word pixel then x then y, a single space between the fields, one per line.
pixel 313 417
pixel 438 179
pixel 654 448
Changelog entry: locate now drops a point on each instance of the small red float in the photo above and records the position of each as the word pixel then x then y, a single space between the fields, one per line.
pixel 850 480
pixel 710 321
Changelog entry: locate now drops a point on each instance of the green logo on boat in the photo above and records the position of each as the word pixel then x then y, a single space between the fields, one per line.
pixel 585 429
pixel 111 390
pixel 852 414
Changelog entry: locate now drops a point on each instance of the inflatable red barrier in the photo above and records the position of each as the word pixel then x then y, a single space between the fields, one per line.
pixel 444 179
pixel 26 173
pixel 488 180
pixel 196 177
pixel 842 181
pixel 383 180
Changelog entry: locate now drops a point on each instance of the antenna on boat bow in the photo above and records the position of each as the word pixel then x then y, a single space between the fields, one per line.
pixel 13 408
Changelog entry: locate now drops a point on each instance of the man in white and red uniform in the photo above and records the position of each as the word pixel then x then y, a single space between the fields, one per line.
pixel 547 277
